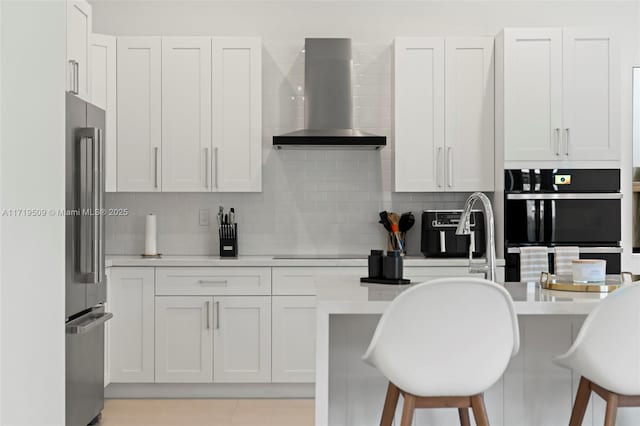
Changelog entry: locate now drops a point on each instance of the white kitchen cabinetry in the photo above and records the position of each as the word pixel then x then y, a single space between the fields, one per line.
pixel 242 339
pixel 78 35
pixel 213 281
pixel 189 114
pixel 532 80
pixel 445 119
pixel 131 347
pixel 139 114
pixel 293 339
pixel 556 93
pixel 184 339
pixel 419 114
pixel 103 94
pixel 237 114
pixel 203 339
pixel 469 114
pixel 186 114
pixel 590 84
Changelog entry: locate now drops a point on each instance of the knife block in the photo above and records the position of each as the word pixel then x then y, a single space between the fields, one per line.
pixel 228 235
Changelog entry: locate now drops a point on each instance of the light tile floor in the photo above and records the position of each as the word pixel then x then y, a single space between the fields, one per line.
pixel 209 412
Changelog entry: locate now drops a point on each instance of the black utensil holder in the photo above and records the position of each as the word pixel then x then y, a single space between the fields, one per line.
pixel 228 240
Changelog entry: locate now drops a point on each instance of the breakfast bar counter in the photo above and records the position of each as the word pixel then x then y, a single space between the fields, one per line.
pixel 533 390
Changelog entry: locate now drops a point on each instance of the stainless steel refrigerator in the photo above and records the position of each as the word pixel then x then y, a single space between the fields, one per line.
pixel 85 273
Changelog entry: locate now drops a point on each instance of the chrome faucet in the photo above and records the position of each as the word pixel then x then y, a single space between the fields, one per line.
pixel 464 228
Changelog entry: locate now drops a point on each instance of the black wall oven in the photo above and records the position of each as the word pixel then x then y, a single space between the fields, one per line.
pixel 563 207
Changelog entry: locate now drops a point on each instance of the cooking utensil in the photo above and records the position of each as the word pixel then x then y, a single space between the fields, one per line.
pixel 407 220
pixel 384 220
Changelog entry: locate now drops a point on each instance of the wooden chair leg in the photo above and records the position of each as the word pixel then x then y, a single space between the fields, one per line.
pixel 464 417
pixel 407 409
pixel 612 410
pixel 581 402
pixel 390 403
pixel 479 410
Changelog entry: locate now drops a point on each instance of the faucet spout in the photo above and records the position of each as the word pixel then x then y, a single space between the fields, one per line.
pixel 489 225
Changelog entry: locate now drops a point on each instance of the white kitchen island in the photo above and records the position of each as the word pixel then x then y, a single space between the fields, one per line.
pixel 532 392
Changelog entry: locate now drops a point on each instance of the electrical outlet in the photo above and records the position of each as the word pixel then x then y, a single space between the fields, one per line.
pixel 203 217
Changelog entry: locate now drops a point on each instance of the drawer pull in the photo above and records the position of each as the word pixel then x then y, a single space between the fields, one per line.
pixel 212 282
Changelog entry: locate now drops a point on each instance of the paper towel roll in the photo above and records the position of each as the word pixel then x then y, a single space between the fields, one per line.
pixel 150 235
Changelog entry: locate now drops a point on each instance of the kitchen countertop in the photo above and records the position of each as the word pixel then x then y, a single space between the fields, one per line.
pixel 268 261
pixel 352 297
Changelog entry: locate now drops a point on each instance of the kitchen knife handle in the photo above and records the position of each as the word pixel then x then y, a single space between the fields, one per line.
pixel 208 313
pixel 450 166
pixel 557 140
pixel 155 161
pixel 206 167
pixel 566 141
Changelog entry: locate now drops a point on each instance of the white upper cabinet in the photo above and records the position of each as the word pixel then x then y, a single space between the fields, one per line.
pixel 237 115
pixel 189 114
pixel 419 114
pixel 532 93
pixel 139 114
pixel 78 35
pixel 186 114
pixel 443 121
pixel 590 126
pixel 103 94
pixel 556 95
pixel 469 114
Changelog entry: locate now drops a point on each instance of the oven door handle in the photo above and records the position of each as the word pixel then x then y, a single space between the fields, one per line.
pixel 582 250
pixel 566 196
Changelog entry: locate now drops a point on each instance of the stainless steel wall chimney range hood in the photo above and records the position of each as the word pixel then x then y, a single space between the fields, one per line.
pixel 328 101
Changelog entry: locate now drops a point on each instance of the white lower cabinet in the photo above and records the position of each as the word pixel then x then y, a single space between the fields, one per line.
pixel 131 346
pixel 293 339
pixel 204 339
pixel 242 339
pixel 184 339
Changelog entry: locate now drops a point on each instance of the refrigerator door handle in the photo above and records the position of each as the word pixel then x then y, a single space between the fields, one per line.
pixel 90 198
pixel 86 326
pixel 101 210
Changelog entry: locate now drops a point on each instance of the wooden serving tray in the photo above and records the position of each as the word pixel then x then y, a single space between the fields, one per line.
pixel 563 283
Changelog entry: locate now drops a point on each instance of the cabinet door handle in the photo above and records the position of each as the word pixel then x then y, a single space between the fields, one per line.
pixel 77 77
pixel 217 315
pixel 215 151
pixel 450 166
pixel 208 313
pixel 212 282
pixel 566 142
pixel 438 168
pixel 206 168
pixel 557 133
pixel 155 167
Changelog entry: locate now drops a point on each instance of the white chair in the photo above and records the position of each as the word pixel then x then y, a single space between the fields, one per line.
pixel 606 354
pixel 443 344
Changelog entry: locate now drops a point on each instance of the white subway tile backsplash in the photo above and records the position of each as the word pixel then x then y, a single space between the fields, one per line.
pixel 313 201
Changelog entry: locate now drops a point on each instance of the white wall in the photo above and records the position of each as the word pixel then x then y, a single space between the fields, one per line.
pixel 305 194
pixel 32 249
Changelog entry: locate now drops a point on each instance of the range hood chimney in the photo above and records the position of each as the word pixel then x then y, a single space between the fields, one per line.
pixel 328 101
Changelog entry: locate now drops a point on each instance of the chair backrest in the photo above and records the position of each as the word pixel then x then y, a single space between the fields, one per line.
pixel 607 348
pixel 447 337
